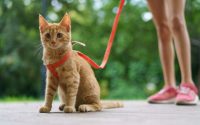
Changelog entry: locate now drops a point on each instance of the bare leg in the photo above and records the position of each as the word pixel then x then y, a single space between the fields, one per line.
pixel 181 37
pixel 166 50
pixel 169 21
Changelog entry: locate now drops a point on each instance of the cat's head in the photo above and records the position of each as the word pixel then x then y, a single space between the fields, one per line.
pixel 55 35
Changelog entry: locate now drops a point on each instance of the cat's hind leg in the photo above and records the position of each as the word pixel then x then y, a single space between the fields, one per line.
pixel 89 108
pixel 61 107
pixel 91 104
pixel 62 98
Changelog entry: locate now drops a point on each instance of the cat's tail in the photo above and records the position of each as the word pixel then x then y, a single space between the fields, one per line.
pixel 111 104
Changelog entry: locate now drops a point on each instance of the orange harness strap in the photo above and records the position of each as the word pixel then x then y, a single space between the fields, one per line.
pixel 110 42
pixel 52 67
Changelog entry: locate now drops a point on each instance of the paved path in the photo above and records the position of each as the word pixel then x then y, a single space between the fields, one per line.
pixel 134 113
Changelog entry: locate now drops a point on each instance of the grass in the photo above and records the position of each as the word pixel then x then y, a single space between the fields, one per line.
pixel 11 99
pixel 18 99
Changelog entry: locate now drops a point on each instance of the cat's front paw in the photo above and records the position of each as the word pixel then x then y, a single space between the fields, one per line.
pixel 45 109
pixel 69 109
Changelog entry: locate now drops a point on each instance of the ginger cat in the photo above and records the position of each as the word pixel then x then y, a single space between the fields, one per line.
pixel 73 77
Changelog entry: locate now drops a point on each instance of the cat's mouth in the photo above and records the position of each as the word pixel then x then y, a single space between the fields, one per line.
pixel 54 46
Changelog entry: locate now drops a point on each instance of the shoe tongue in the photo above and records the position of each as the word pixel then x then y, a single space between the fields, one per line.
pixel 167 89
pixel 162 91
pixel 190 86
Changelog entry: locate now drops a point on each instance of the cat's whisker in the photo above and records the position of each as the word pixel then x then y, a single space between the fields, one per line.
pixel 38 50
pixel 38 44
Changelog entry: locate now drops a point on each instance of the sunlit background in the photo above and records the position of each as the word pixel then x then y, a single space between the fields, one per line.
pixel 133 70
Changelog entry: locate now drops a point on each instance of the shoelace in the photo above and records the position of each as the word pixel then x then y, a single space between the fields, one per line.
pixel 184 90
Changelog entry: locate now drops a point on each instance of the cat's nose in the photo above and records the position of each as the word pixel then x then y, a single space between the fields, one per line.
pixel 53 42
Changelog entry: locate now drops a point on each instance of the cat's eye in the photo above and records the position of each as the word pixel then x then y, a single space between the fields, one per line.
pixel 47 35
pixel 59 35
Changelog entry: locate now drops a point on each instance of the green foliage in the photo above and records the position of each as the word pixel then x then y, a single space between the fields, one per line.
pixel 17 99
pixel 133 70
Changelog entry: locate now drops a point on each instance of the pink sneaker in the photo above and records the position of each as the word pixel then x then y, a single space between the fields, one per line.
pixel 164 96
pixel 187 94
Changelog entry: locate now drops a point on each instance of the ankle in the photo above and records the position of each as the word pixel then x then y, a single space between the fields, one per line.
pixel 187 82
pixel 170 85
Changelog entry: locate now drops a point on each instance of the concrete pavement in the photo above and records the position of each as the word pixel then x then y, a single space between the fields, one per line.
pixel 134 113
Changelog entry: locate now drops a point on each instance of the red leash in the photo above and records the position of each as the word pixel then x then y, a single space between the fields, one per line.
pixel 110 42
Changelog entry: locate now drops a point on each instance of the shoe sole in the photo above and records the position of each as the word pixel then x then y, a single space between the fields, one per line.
pixel 169 101
pixel 188 102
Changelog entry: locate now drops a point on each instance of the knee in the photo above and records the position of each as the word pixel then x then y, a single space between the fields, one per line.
pixel 177 24
pixel 163 30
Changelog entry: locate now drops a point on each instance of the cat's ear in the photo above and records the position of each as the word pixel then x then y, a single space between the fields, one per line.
pixel 42 23
pixel 66 22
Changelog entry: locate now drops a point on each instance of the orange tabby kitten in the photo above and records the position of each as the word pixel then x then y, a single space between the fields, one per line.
pixel 74 79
